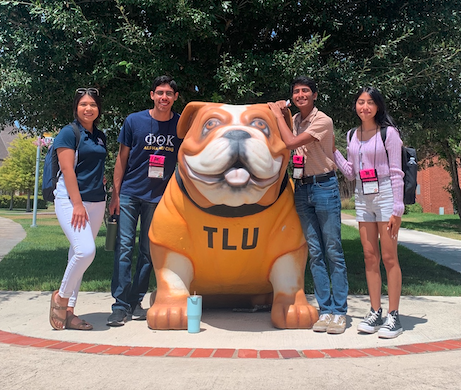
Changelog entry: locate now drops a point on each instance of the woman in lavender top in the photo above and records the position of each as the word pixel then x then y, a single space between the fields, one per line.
pixel 378 202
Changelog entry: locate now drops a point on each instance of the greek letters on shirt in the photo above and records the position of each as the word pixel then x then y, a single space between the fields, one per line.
pixel 159 142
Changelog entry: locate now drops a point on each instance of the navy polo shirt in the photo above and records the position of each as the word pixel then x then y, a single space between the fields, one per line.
pixel 90 162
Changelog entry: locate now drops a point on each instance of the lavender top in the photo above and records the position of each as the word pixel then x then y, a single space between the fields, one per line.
pixel 373 155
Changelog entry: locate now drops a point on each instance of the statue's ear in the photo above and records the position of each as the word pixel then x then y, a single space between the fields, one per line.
pixel 187 117
pixel 289 120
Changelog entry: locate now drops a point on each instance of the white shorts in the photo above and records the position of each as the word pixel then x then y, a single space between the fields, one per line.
pixel 374 207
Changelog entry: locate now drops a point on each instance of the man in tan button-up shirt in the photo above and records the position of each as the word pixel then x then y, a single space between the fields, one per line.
pixel 318 201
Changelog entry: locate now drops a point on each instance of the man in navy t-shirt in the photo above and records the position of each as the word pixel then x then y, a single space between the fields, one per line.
pixel 146 160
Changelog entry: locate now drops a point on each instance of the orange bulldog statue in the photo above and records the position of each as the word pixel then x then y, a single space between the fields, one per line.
pixel 226 226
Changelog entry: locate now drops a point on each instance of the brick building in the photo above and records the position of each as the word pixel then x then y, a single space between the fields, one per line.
pixel 431 193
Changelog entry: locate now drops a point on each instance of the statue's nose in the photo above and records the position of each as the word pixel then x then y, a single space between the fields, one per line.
pixel 237 135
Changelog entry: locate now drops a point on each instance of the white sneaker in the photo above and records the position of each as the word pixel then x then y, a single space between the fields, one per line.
pixel 322 324
pixel 337 325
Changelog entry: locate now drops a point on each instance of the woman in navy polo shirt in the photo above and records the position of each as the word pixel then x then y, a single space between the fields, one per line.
pixel 80 200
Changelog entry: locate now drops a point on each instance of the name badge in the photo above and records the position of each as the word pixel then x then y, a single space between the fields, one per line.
pixel 369 178
pixel 156 166
pixel 298 166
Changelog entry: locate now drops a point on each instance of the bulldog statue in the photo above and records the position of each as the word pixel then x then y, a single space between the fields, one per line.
pixel 227 224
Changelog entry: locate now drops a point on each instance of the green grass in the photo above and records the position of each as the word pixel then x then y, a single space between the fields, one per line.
pixel 442 225
pixel 39 261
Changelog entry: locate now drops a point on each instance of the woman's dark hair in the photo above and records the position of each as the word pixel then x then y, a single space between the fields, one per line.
pixel 164 80
pixel 92 93
pixel 303 80
pixel 382 118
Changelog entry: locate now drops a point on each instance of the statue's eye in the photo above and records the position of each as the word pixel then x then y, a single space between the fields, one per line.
pixel 210 124
pixel 261 125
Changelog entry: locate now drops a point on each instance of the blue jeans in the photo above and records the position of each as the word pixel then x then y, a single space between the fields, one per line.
pixel 128 294
pixel 319 209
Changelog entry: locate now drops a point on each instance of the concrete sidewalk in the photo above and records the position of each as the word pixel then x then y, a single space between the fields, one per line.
pixel 11 233
pixel 234 350
pixel 424 319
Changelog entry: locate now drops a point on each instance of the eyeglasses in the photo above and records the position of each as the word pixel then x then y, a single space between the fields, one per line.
pixel 89 91
pixel 167 93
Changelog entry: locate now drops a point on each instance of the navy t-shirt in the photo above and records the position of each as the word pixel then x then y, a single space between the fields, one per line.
pixel 90 161
pixel 145 136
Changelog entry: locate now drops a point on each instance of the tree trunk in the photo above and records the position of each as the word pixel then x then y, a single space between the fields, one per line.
pixel 28 209
pixel 11 200
pixel 452 167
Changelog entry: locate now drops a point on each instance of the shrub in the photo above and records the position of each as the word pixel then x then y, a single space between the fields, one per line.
pixel 413 208
pixel 20 202
pixel 348 204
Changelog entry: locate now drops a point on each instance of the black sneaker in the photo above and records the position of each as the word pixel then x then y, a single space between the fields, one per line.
pixel 139 314
pixel 372 321
pixel 391 327
pixel 117 318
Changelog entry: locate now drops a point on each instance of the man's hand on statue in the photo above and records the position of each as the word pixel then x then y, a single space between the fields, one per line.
pixel 276 109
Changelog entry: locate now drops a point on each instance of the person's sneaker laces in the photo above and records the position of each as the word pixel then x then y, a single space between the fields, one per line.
pixel 372 321
pixel 392 327
pixel 322 324
pixel 117 318
pixel 337 324
pixel 139 314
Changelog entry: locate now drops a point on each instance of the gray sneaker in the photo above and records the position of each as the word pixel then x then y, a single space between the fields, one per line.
pixel 391 327
pixel 372 322
pixel 139 314
pixel 117 318
pixel 322 324
pixel 337 324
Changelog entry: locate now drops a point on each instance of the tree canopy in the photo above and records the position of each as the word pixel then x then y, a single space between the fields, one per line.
pixel 241 51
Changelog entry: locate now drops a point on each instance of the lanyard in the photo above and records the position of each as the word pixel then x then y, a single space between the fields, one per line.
pixel 360 149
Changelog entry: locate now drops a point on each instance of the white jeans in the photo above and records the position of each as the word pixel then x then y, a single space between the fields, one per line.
pixel 82 247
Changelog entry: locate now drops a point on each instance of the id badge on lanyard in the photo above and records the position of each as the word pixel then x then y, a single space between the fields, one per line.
pixel 298 167
pixel 369 178
pixel 156 166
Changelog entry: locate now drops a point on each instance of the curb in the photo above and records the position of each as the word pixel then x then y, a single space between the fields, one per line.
pixel 104 349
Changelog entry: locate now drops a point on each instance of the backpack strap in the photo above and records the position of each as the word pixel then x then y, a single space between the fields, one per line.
pixel 383 132
pixel 351 133
pixel 77 142
pixel 77 137
pixel 77 134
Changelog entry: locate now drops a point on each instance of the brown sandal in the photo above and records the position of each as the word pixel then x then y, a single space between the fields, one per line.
pixel 57 322
pixel 81 325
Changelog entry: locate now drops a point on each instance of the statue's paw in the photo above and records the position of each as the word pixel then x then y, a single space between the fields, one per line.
pixel 297 315
pixel 165 316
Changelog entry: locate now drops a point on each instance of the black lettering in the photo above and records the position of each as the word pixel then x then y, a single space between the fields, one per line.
pixel 225 241
pixel 210 231
pixel 245 239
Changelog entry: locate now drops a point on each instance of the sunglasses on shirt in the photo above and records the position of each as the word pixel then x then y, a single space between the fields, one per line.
pixel 89 91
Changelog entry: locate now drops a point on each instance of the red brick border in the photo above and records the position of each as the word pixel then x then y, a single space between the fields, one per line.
pixel 26 341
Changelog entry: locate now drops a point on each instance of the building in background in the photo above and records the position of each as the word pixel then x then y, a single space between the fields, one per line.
pixel 431 193
pixel 5 140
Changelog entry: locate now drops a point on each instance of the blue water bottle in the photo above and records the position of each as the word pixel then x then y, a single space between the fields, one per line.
pixel 194 313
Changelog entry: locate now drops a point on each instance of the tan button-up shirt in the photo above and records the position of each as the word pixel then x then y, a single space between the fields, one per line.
pixel 318 155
